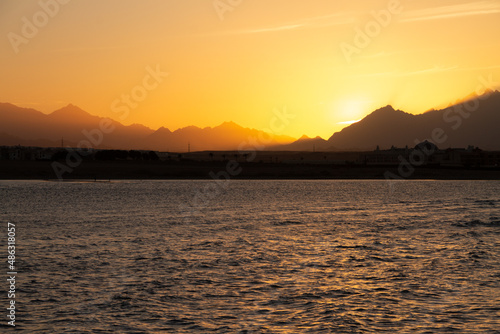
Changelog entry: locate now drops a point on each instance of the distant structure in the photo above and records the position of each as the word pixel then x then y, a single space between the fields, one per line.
pixel 432 156
pixel 423 154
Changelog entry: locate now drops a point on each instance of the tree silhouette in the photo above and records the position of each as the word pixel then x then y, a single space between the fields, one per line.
pixel 134 155
pixel 153 156
pixel 59 155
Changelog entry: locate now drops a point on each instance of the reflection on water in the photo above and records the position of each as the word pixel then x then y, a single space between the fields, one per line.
pixel 264 256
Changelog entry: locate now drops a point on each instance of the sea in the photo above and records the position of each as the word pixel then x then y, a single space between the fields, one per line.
pixel 252 256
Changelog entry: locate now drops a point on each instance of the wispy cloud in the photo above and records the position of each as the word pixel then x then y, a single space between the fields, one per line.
pixel 385 54
pixel 432 70
pixel 435 69
pixel 28 103
pixel 270 29
pixel 480 68
pixel 93 48
pixel 453 11
pixel 463 48
pixel 306 23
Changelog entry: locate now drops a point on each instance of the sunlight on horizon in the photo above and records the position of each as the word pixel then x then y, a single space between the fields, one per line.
pixel 328 63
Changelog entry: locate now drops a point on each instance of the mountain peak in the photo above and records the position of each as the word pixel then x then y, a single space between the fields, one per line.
pixel 70 109
pixel 386 109
pixel 388 127
pixel 492 93
pixel 384 113
pixel 230 124
pixel 163 129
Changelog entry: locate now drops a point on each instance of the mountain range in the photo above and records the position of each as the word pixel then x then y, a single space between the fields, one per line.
pixel 475 122
pixel 472 122
pixel 71 125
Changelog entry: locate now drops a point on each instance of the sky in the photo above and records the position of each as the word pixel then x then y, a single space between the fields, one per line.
pixel 176 63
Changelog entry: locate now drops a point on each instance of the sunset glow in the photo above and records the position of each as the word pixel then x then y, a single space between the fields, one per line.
pixel 329 62
pixel 250 166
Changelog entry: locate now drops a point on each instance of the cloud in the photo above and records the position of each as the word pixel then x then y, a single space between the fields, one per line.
pixel 453 11
pixel 270 29
pixel 386 54
pixel 435 69
pixel 480 68
pixel 312 22
pixel 77 49
pixel 28 103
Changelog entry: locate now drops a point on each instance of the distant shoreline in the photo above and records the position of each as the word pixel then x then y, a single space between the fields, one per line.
pixel 104 171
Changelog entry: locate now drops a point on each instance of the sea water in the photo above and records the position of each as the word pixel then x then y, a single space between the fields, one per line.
pixel 254 256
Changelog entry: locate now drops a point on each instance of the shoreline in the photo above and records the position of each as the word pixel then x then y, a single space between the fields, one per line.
pixel 106 171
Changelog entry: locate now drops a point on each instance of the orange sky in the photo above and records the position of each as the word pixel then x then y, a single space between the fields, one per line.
pixel 240 62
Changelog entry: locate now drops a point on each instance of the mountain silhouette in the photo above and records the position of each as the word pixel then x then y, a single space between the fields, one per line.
pixel 474 122
pixel 29 127
pixel 304 144
pixel 35 128
pixel 227 136
pixel 70 113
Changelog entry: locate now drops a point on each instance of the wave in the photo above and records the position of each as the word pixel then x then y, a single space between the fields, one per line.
pixel 477 222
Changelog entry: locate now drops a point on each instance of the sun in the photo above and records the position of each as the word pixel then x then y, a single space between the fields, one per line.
pixel 348 111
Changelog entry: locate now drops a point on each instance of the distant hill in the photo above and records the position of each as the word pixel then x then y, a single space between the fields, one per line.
pixel 475 123
pixel 304 144
pixel 29 127
pixel 227 136
pixel 35 128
